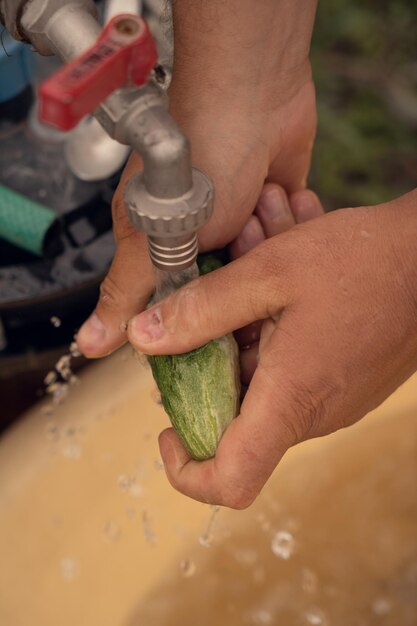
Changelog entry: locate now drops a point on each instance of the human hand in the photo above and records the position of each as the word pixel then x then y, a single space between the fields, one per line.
pixel 248 120
pixel 338 295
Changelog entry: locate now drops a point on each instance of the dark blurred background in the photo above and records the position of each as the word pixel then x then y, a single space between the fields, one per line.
pixel 364 58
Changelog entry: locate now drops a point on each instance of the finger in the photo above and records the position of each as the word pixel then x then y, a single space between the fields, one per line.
pixel 305 205
pixel 254 287
pixel 248 452
pixel 276 216
pixel 274 211
pixel 251 235
pixel 249 334
pixel 248 363
pixel 127 287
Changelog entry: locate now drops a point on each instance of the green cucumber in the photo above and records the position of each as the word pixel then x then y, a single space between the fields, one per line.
pixel 200 390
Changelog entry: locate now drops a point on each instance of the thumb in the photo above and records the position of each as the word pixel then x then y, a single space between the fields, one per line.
pixel 248 452
pixel 254 287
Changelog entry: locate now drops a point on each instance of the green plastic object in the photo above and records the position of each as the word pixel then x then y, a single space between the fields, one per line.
pixel 27 224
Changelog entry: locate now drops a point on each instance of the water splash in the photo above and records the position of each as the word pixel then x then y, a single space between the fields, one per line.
pixel 283 544
pixel 316 617
pixel 112 531
pixel 167 282
pixel 261 616
pixel 264 522
pixel 246 557
pixel 309 580
pixel 55 321
pixel 148 531
pixel 206 539
pixel 52 432
pixel 69 569
pixel 131 513
pixel 72 451
pixel 187 568
pixel 128 484
pixel 58 380
pixel 381 606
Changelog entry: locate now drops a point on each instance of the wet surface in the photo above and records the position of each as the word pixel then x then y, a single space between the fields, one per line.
pixel 100 537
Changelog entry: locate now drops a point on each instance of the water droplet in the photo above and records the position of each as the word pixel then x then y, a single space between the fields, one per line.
pixel 283 544
pixel 63 367
pixel 55 321
pixel 148 532
pixel 365 234
pixel 261 616
pixel 381 606
pixel 125 482
pixel 187 568
pixel 129 485
pixel 206 539
pixel 112 531
pixel 246 558
pixel 69 569
pixel 58 391
pixel 47 410
pixel 156 396
pixel 74 350
pixel 264 522
pixel 316 617
pixel 50 378
pixel 72 450
pixel 52 432
pixel 309 580
pixel 136 490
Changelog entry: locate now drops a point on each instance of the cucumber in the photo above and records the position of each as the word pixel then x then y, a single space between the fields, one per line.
pixel 200 390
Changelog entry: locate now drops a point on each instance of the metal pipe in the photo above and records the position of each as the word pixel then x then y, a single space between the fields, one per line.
pixel 72 31
pixel 170 200
pixel 165 151
pixel 63 27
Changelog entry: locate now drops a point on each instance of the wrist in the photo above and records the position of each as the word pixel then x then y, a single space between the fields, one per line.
pixel 238 51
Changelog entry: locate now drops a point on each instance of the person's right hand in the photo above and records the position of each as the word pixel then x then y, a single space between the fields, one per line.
pixel 338 296
pixel 241 135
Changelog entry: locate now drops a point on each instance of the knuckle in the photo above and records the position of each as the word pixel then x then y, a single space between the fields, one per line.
pixel 311 405
pixel 190 305
pixel 308 409
pixel 111 296
pixel 270 278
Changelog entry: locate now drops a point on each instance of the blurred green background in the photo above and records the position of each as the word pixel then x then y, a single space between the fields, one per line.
pixel 364 56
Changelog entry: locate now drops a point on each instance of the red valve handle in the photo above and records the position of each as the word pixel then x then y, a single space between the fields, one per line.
pixel 124 54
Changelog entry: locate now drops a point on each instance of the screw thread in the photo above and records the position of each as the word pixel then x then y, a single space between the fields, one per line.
pixel 170 257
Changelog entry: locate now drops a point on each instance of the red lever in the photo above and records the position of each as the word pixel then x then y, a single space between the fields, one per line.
pixel 124 54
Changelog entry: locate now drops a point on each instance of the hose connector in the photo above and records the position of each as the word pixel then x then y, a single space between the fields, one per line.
pixel 171 224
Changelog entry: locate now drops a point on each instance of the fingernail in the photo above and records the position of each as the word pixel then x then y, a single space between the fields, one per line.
pixel 273 204
pixel 92 333
pixel 147 327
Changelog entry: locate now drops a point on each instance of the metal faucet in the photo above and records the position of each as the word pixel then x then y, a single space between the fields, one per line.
pixel 109 73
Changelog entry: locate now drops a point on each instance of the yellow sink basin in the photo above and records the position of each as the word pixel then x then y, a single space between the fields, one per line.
pixel 92 534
